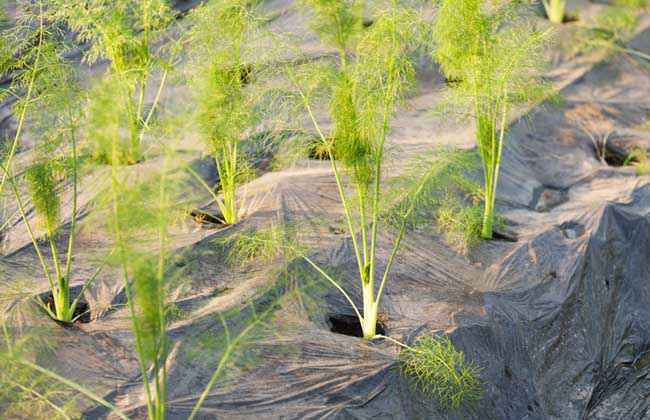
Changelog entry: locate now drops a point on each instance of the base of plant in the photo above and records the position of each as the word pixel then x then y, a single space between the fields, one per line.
pixel 81 314
pixel 206 219
pixel 350 325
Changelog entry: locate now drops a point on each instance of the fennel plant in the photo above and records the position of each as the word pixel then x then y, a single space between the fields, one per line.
pixel 52 89
pixel 225 108
pixel 364 96
pixel 494 53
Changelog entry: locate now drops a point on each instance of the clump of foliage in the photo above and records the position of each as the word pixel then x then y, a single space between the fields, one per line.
pixel 338 23
pixel 494 53
pixel 460 224
pixel 221 39
pixel 124 33
pixel 42 189
pixel 437 369
pixel 264 244
pixel 555 10
pixel 363 97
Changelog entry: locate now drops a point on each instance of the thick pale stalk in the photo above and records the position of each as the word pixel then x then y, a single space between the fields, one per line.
pixel 486 229
pixel 370 309
pixel 555 10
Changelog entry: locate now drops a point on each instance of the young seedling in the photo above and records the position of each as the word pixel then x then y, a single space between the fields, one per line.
pixel 141 214
pixel 495 64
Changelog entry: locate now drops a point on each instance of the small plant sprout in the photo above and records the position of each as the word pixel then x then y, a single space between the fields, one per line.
pixel 555 10
pixel 225 109
pixel 363 99
pixel 124 33
pixel 494 55
pixel 437 369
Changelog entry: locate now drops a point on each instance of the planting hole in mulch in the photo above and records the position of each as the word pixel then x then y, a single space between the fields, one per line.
pixel 452 81
pixel 572 230
pixel 81 313
pixel 350 325
pixel 503 236
pixel 205 219
pixel 570 18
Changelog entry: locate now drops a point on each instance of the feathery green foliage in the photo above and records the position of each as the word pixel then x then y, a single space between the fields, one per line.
pixel 123 32
pixel 451 196
pixel 221 39
pixel 338 23
pixel 263 245
pixel 42 189
pixel 29 390
pixel 141 213
pixel 495 55
pixel 436 368
pixel 555 10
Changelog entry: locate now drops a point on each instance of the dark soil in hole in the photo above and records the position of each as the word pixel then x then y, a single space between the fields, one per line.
pixel 572 230
pixel 570 18
pixel 206 219
pixel 614 160
pixel 246 74
pixel 452 81
pixel 81 313
pixel 503 236
pixel 349 325
pixel 367 23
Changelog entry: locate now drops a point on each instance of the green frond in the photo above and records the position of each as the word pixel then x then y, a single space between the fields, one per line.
pixel 42 188
pixel 150 316
pixel 337 22
pixel 262 245
pixel 435 368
